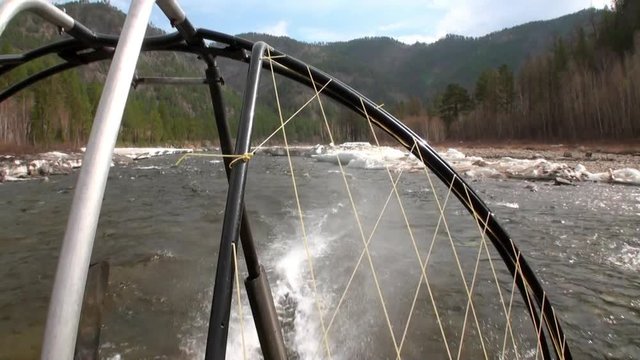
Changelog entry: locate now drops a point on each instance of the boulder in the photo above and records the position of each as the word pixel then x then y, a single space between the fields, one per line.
pixel 562 181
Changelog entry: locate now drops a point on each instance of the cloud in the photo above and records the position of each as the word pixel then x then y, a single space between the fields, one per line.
pixel 414 38
pixel 406 20
pixel 479 17
pixel 393 26
pixel 326 35
pixel 601 3
pixel 278 29
pixel 427 21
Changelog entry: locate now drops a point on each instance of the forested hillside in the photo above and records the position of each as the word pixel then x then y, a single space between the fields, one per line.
pixel 405 77
pixel 388 70
pixel 60 109
pixel 586 88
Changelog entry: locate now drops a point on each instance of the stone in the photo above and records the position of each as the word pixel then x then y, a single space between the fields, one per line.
pixel 562 181
pixel 44 169
pixel 480 163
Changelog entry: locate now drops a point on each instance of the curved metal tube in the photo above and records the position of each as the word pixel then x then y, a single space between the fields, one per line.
pixel 528 284
pixel 101 40
pixel 173 11
pixel 498 236
pixel 75 255
pixel 223 285
pixel 515 262
pixel 15 88
pixel 46 10
pixel 56 69
pixel 39 52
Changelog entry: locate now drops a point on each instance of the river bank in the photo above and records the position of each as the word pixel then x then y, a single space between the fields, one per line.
pixel 597 157
pixel 560 163
pixel 19 167
pixel 557 164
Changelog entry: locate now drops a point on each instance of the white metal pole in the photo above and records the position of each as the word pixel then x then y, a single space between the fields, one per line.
pixel 172 10
pixel 46 10
pixel 75 255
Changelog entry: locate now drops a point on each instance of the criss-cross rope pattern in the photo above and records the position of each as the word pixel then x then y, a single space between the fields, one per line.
pixel 299 207
pixel 470 284
pixel 536 301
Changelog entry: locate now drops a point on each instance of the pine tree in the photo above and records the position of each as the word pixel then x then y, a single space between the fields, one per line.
pixel 454 101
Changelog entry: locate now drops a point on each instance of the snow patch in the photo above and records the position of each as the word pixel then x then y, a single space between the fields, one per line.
pixel 143 153
pixel 453 154
pixel 628 258
pixel 363 155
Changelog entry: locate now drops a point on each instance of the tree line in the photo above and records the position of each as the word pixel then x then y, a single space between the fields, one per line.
pixel 581 89
pixel 59 110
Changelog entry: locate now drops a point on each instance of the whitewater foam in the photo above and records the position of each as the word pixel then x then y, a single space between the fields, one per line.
pixel 509 205
pixel 363 155
pixel 628 257
pixel 294 290
pixel 293 295
pixel 143 153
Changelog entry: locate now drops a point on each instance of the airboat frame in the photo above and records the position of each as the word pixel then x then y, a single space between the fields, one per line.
pixel 85 46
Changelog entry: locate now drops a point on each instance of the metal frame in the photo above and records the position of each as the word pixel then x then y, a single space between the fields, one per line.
pixel 257 285
pixel 150 80
pixel 233 214
pixel 87 47
pixel 71 275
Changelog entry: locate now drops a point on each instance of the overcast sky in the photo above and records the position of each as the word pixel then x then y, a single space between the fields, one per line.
pixel 336 20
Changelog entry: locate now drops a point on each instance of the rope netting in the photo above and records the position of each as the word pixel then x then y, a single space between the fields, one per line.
pixel 390 263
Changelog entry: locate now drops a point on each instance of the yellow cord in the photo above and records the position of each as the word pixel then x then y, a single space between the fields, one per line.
pixel 300 214
pixel 242 157
pixel 240 315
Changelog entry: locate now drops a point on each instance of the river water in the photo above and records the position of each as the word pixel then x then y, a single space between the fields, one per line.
pixel 160 225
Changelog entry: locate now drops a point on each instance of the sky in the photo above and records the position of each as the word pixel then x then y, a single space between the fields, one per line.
pixel 333 20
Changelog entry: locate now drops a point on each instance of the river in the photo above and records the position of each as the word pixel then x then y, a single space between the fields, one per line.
pixel 160 225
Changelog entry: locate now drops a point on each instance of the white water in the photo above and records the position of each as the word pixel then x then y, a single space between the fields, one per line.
pixel 362 155
pixel 143 153
pixel 366 156
pixel 293 295
pixel 583 241
pixel 627 257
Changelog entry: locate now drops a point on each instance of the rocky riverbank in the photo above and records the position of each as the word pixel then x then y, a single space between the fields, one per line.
pixel 596 159
pixel 16 168
pixel 556 164
pixel 544 163
pixel 41 166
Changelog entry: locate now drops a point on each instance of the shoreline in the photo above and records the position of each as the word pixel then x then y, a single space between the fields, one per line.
pixel 596 159
pixel 536 162
pixel 622 147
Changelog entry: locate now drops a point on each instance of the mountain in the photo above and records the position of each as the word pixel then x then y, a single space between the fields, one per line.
pixel 386 69
pixel 381 68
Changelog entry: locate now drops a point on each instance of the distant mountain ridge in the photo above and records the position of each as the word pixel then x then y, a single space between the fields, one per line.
pixel 382 68
pixel 387 69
